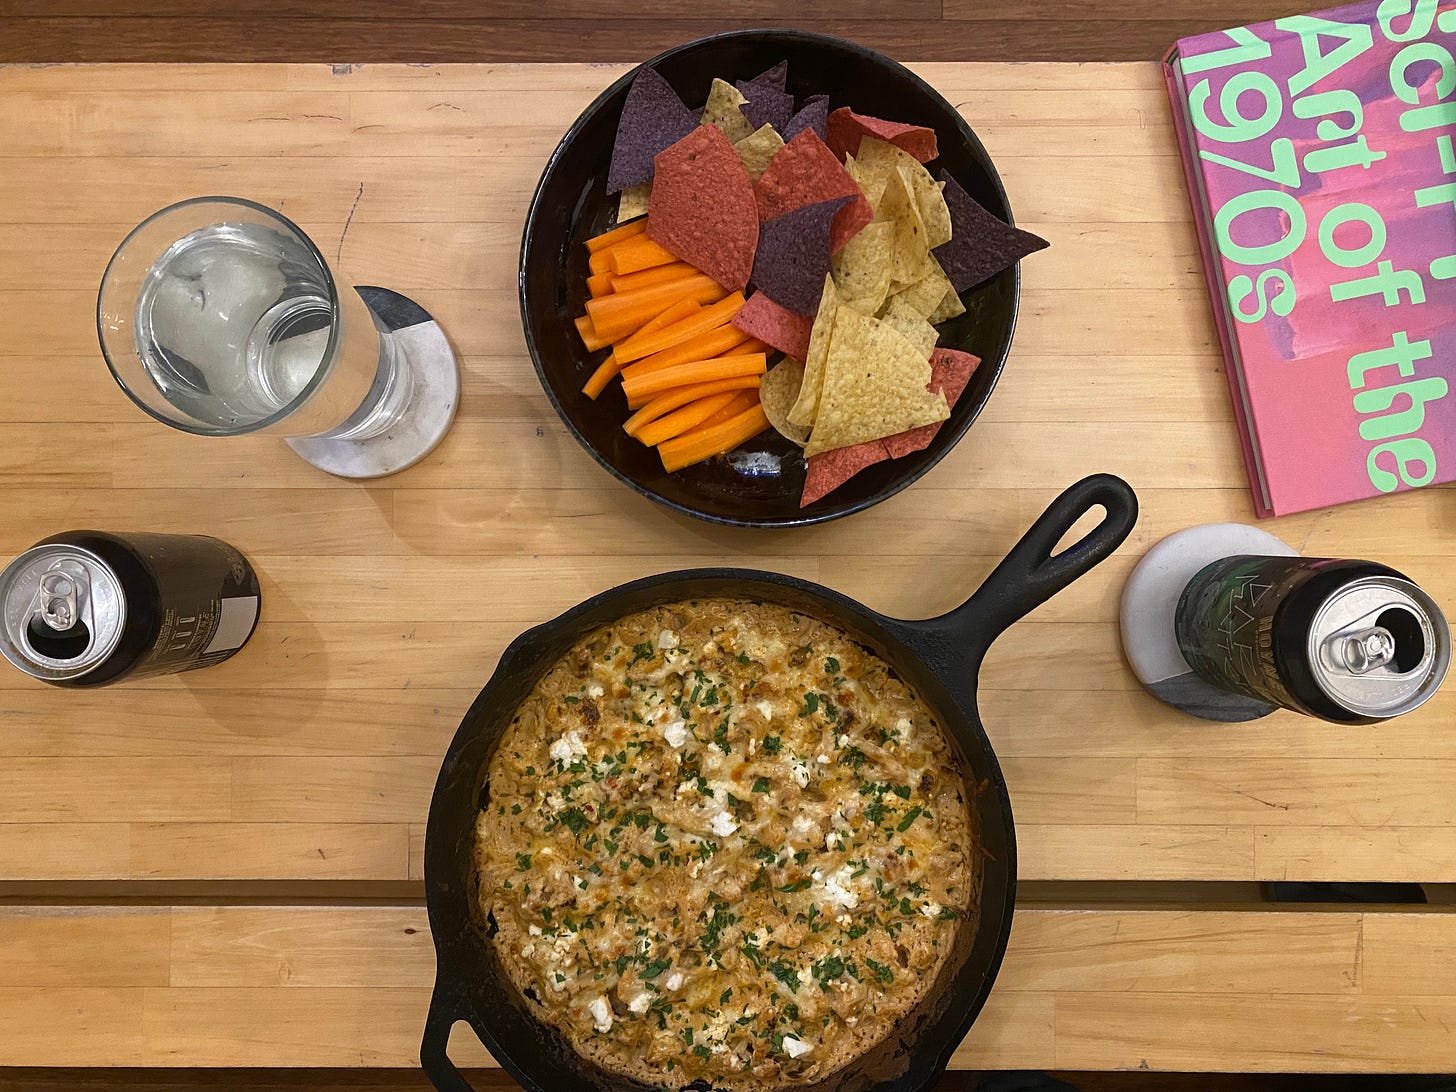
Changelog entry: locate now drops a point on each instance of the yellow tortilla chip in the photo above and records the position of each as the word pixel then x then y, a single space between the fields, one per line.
pixel 872 186
pixel 862 267
pixel 758 148
pixel 873 386
pixel 901 316
pixel 911 256
pixel 878 160
pixel 778 391
pixel 927 295
pixel 949 307
pixel 722 110
pixel 806 406
pixel 633 202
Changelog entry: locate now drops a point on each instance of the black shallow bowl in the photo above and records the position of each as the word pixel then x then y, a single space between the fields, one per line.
pixel 759 486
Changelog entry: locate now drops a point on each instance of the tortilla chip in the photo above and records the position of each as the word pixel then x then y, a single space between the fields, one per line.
pixel 874 384
pixel 909 257
pixel 981 245
pixel 778 391
pixel 908 321
pixel 949 307
pixel 653 118
pixel 847 129
pixel 777 326
pixel 814 114
pixel 793 256
pixel 805 172
pixel 702 208
pixel 950 371
pixel 928 294
pixel 829 470
pixel 633 202
pixel 871 186
pixel 768 103
pixel 758 149
pixel 722 110
pixel 807 406
pixel 862 268
pixel 874 164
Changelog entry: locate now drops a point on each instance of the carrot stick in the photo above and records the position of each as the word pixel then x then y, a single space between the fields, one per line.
pixel 600 262
pixel 589 336
pixel 616 235
pixel 639 391
pixel 703 443
pixel 715 342
pixel 599 284
pixel 739 402
pixel 637 254
pixel 640 345
pixel 610 367
pixel 658 274
pixel 681 396
pixel 618 315
pixel 680 420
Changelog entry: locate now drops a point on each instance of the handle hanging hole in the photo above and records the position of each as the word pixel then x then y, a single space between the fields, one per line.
pixel 1089 522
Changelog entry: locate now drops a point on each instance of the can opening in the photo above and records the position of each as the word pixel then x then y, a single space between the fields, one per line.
pixel 58 644
pixel 1410 642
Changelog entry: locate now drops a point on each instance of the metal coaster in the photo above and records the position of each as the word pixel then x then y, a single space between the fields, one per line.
pixel 1150 599
pixel 431 409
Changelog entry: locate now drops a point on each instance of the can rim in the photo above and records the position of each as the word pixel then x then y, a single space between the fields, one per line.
pixel 23 655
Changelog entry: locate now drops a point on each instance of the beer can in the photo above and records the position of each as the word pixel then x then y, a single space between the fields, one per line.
pixel 1348 641
pixel 88 608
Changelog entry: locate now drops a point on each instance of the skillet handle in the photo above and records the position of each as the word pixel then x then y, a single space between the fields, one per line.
pixel 1030 575
pixel 435 1044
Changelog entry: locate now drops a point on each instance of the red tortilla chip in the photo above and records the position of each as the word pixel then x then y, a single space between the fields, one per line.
pixel 847 129
pixel 805 172
pixel 765 320
pixel 830 469
pixel 702 206
pixel 950 371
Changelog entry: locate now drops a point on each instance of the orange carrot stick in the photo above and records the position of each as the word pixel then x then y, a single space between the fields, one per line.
pixel 616 235
pixel 715 342
pixel 680 420
pixel 589 336
pixel 640 345
pixel 703 443
pixel 641 390
pixel 600 262
pixel 620 314
pixel 739 402
pixel 640 253
pixel 610 367
pixel 658 274
pixel 681 396
pixel 599 284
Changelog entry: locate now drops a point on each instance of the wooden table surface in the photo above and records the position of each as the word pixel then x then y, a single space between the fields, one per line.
pixel 223 868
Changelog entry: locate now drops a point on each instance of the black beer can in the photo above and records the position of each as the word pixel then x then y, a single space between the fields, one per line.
pixel 1347 641
pixel 89 608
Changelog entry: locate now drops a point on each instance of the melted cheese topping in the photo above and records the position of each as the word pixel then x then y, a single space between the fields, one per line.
pixel 723 841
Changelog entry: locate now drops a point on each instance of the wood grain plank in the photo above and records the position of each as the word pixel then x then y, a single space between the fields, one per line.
pixel 1048 791
pixel 90 947
pixel 583 10
pixel 281 851
pixel 391 790
pixel 91 790
pixel 72 1025
pixel 64 851
pixel 1142 851
pixel 1408 955
pixel 1389 854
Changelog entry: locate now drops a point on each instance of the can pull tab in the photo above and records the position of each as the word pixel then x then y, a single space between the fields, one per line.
pixel 59 608
pixel 1361 651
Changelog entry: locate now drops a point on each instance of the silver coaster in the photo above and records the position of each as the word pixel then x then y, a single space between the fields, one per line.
pixel 1150 599
pixel 431 409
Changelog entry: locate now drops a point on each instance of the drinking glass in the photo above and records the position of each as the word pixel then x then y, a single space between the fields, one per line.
pixel 220 317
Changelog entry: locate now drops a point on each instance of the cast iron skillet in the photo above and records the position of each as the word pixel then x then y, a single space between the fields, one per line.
pixel 939 657
pixel 761 485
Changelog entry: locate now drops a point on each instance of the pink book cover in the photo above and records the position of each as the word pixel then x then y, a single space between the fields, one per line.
pixel 1320 152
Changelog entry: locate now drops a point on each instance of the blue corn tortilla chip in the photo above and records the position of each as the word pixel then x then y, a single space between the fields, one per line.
pixel 814 114
pixel 653 118
pixel 793 255
pixel 768 103
pixel 981 245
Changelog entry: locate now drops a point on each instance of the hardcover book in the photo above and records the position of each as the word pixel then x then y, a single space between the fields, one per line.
pixel 1320 152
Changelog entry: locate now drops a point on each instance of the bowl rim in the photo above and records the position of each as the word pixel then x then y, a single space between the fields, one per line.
pixel 801 518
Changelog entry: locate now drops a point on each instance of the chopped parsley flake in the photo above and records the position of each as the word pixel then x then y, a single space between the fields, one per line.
pixel 761 784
